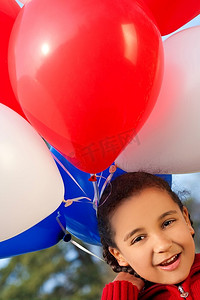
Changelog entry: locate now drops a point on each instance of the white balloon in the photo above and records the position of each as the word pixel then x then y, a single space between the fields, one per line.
pixel 31 187
pixel 169 141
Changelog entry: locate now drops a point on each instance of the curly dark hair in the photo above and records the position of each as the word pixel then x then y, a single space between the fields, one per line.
pixel 123 187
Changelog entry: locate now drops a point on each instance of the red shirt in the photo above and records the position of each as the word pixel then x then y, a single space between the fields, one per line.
pixel 189 289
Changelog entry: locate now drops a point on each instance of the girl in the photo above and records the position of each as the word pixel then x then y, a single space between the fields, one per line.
pixel 147 236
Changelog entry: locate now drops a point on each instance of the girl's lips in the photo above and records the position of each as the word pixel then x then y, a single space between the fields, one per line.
pixel 171 264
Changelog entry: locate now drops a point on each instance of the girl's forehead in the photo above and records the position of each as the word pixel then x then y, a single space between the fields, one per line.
pixel 148 204
pixel 147 197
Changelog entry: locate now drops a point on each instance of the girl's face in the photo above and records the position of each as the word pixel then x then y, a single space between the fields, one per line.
pixel 154 237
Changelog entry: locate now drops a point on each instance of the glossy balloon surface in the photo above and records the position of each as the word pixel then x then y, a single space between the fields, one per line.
pixel 9 10
pixel 169 141
pixel 87 74
pixel 31 187
pixel 172 14
pixel 43 235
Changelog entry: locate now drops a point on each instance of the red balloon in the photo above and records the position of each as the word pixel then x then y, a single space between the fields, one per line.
pixel 87 74
pixel 172 14
pixel 9 10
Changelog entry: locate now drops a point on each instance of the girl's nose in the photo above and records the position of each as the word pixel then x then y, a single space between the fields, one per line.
pixel 162 243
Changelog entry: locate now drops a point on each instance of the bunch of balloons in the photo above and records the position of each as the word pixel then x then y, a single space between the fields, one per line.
pixel 98 84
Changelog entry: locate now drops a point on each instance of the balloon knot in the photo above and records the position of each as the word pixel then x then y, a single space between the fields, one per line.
pixel 112 169
pixel 67 237
pixel 93 178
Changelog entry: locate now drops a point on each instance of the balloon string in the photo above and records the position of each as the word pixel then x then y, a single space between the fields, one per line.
pixel 108 194
pixel 69 202
pixel 60 224
pixel 77 199
pixel 85 250
pixel 112 170
pixel 96 194
pixel 75 243
pixel 70 175
pixel 108 179
pixel 100 176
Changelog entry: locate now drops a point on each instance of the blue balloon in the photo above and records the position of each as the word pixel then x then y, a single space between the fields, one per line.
pixel 166 177
pixel 80 217
pixel 43 235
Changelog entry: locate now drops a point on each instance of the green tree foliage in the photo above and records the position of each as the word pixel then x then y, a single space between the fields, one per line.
pixel 62 272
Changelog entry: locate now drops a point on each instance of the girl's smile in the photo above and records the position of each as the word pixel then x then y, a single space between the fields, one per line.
pixel 154 237
pixel 171 263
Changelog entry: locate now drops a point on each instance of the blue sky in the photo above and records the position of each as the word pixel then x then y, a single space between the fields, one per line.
pixel 194 22
pixel 20 4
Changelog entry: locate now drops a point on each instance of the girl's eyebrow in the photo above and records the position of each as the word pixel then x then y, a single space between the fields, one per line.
pixel 130 234
pixel 134 231
pixel 167 213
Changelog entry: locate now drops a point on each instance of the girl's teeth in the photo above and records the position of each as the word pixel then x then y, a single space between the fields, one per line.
pixel 169 261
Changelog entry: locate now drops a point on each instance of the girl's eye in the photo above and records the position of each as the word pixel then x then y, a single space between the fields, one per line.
pixel 167 223
pixel 137 239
